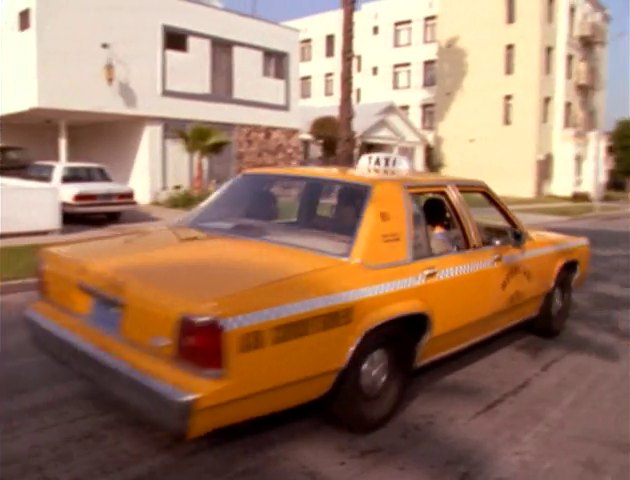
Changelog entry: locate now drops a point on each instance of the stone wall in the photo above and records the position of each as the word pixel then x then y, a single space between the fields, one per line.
pixel 257 146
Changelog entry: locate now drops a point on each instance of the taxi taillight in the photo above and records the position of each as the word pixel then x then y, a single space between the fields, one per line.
pixel 125 196
pixel 200 343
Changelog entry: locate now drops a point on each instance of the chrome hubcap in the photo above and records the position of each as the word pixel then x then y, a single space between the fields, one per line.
pixel 557 301
pixel 374 372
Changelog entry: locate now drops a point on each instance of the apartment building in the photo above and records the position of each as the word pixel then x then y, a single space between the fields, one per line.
pixel 512 93
pixel 114 81
pixel 521 94
pixel 395 46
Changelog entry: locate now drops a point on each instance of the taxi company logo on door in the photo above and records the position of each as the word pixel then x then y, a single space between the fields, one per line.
pixel 287 332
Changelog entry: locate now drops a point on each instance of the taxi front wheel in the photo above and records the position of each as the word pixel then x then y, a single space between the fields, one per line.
pixel 372 387
pixel 556 307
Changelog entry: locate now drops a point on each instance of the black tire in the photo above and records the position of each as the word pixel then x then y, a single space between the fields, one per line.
pixel 113 216
pixel 556 307
pixel 351 405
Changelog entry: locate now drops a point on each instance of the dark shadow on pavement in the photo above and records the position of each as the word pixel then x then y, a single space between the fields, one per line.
pixel 76 224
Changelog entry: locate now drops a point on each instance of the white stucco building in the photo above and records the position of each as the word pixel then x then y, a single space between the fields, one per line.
pixel 112 81
pixel 512 91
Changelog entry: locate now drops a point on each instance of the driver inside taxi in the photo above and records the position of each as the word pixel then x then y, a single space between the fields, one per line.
pixel 435 214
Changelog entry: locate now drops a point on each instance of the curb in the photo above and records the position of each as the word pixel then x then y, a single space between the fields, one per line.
pixel 18 286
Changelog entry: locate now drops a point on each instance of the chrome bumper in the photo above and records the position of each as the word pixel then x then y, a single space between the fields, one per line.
pixel 73 208
pixel 162 404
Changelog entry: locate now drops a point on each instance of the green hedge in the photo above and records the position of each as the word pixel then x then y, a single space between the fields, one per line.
pixel 184 199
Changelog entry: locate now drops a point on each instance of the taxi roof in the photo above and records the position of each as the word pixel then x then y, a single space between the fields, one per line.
pixel 348 174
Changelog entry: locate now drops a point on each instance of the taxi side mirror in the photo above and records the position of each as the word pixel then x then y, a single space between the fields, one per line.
pixel 517 237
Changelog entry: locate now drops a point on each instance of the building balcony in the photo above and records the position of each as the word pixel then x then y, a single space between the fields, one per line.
pixel 585 75
pixel 591 32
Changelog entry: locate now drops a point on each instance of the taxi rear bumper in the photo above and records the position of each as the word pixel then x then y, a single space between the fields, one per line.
pixel 162 404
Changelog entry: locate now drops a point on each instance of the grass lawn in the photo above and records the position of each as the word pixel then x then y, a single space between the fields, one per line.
pixel 18 262
pixel 569 210
pixel 611 196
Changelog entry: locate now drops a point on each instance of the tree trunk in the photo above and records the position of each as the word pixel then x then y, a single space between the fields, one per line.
pixel 198 180
pixel 345 148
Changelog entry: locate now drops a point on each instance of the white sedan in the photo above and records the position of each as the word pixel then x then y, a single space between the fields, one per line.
pixel 84 188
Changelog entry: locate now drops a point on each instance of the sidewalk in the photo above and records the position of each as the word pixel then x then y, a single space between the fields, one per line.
pixel 148 216
pixel 152 216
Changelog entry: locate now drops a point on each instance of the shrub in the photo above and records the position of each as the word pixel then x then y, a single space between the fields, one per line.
pixel 184 199
pixel 580 197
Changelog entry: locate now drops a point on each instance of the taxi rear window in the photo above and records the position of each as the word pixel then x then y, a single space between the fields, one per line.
pixel 307 212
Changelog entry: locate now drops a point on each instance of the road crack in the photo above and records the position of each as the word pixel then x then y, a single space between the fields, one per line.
pixel 513 392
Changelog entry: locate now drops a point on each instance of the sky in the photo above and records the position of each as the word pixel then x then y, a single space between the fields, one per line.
pixel 618 101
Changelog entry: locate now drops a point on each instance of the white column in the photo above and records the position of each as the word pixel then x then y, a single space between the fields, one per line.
pixel 62 142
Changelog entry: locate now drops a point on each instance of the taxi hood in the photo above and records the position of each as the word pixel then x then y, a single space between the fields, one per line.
pixel 184 265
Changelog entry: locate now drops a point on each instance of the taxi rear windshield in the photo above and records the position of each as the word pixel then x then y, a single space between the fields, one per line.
pixel 313 213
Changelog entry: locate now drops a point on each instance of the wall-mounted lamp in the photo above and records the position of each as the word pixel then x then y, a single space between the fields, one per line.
pixel 109 70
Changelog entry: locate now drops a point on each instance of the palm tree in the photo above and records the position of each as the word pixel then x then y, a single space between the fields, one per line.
pixel 345 150
pixel 201 142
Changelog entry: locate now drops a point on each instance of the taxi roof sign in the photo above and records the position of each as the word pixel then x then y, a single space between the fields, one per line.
pixel 383 164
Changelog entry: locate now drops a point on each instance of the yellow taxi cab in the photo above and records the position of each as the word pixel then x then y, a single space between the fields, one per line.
pixel 294 284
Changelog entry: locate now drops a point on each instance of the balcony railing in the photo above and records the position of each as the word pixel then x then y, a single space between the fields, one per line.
pixel 585 75
pixel 591 31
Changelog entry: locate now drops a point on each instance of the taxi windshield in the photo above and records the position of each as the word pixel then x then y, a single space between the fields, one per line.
pixel 305 212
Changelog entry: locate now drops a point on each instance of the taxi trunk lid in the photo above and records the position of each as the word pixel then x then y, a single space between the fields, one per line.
pixel 139 286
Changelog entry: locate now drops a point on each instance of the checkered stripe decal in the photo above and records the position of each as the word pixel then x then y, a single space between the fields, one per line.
pixel 464 269
pixel 262 316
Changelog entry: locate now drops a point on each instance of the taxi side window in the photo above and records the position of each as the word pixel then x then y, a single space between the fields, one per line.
pixel 436 228
pixel 492 222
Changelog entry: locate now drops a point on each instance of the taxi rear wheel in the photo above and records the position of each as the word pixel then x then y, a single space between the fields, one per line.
pixel 372 387
pixel 556 307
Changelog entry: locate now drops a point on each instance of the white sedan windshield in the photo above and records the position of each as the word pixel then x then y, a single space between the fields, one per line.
pixel 306 212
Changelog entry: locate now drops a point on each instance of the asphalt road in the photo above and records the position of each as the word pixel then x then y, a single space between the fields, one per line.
pixel 514 407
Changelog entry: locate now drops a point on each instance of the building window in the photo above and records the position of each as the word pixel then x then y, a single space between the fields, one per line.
pixel 374 71
pixel 358 63
pixel 273 65
pixel 428 116
pixel 546 107
pixel 329 85
pixel 402 34
pixel 24 20
pixel 176 41
pixel 430 33
pixel 357 94
pixel 568 115
pixel 548 60
pixel 375 30
pixel 571 20
pixel 405 109
pixel 550 7
pixel 402 76
pixel 222 62
pixel 510 11
pixel 569 67
pixel 305 87
pixel 428 73
pixel 509 59
pixel 330 45
pixel 507 110
pixel 306 50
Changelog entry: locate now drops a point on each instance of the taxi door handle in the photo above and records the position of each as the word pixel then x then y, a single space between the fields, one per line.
pixel 429 272
pixel 497 258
